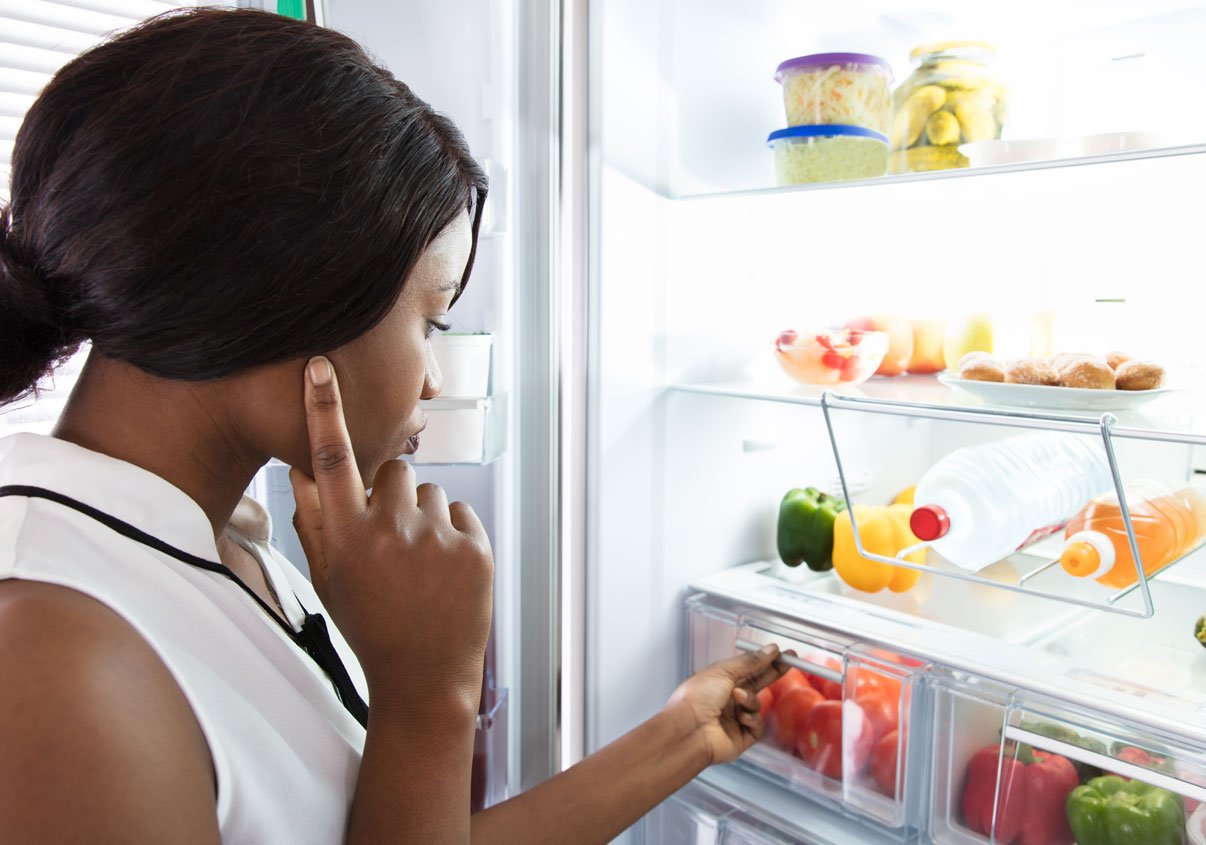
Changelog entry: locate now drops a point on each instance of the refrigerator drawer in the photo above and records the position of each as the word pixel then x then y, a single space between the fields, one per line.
pixel 696 815
pixel 836 723
pixel 1022 769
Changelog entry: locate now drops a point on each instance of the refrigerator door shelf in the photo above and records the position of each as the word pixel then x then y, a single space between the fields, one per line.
pixel 463 431
pixel 840 742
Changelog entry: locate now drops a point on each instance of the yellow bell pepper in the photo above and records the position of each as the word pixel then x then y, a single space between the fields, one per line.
pixel 883 531
pixel 904 579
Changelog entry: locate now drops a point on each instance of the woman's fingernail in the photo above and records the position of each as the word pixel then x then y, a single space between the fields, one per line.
pixel 319 369
pixel 770 648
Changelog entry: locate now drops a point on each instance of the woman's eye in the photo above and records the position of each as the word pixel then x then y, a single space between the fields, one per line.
pixel 434 326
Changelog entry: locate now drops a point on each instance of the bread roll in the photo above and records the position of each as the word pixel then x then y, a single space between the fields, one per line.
pixel 1139 375
pixel 1087 373
pixel 1031 371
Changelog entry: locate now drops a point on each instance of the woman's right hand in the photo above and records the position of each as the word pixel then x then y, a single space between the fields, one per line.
pixel 405 576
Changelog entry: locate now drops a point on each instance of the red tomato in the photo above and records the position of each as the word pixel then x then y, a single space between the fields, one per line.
pixel 883 763
pixel 790 711
pixel 766 700
pixel 879 711
pixel 792 678
pixel 832 690
pixel 872 682
pixel 821 742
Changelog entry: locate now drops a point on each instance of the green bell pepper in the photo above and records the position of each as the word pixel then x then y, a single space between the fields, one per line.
pixel 1199 630
pixel 1114 811
pixel 805 534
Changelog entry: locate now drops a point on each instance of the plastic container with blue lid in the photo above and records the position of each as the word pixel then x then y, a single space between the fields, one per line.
pixel 805 154
pixel 837 89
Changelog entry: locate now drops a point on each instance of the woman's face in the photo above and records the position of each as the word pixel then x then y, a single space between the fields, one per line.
pixel 384 373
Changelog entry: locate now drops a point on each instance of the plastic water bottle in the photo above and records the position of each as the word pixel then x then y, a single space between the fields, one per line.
pixel 980 504
pixel 1168 523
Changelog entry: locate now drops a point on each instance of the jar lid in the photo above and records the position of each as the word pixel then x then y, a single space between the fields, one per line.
pixel 827 59
pixel 825 131
pixel 974 50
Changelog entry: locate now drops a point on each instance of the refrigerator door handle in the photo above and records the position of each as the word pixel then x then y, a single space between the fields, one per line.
pixel 800 663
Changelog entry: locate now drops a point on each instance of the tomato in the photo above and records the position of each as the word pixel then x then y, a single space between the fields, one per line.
pixel 832 690
pixel 790 711
pixel 872 682
pixel 821 742
pixel 766 700
pixel 883 763
pixel 790 679
pixel 879 711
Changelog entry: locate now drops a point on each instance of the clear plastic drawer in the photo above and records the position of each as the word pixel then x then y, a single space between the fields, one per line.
pixel 837 723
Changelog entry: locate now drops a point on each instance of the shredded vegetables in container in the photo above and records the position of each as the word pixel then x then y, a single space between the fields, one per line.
pixel 828 154
pixel 847 89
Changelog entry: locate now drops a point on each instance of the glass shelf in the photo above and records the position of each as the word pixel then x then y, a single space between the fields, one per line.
pixel 936 175
pixel 1178 417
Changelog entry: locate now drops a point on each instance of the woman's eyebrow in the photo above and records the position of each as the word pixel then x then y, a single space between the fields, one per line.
pixel 447 287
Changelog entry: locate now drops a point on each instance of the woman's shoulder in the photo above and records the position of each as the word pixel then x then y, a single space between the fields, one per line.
pixel 90 710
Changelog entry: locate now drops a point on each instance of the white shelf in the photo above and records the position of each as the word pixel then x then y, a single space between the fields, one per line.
pixel 1178 417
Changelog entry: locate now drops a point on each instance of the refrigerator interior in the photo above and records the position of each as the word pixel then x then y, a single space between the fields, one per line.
pixel 696 434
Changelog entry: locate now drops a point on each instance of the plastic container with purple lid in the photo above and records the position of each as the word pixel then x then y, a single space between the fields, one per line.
pixel 846 89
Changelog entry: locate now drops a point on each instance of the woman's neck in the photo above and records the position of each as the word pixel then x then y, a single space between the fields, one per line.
pixel 178 430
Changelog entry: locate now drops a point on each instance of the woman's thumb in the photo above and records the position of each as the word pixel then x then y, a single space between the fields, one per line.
pixel 307 521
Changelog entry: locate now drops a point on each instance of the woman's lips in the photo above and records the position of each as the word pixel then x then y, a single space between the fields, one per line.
pixel 412 442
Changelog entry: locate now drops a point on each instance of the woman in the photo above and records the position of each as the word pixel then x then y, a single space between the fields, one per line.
pixel 258 230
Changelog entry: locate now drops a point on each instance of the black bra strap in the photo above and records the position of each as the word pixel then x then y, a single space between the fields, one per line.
pixel 313 638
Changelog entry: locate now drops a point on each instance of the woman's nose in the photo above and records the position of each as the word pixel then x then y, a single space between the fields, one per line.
pixel 433 379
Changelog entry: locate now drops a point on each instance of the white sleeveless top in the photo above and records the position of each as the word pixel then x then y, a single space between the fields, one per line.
pixel 285 750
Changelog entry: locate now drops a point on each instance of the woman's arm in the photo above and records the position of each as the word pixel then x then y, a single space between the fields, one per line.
pixel 711 718
pixel 97 742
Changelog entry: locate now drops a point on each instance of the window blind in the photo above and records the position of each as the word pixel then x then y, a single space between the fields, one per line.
pixel 37 37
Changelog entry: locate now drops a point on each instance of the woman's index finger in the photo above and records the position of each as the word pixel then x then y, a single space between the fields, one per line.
pixel 340 489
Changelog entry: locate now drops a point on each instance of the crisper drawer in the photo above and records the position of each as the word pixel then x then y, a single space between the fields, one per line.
pixel 1020 769
pixel 837 722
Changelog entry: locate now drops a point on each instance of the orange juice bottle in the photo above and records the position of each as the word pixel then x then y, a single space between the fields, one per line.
pixel 1167 523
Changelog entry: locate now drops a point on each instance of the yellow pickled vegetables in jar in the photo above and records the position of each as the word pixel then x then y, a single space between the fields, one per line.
pixel 951 98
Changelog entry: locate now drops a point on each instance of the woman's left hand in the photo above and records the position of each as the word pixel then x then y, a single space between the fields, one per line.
pixel 720 703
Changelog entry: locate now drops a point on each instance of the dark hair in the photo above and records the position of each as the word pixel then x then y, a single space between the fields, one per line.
pixel 215 190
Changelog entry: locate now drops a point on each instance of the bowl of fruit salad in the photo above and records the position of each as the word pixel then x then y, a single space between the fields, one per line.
pixel 831 356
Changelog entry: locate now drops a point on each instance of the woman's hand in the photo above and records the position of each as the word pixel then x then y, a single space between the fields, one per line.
pixel 719 704
pixel 406 576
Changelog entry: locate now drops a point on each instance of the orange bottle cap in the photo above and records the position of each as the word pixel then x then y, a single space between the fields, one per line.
pixel 1080 559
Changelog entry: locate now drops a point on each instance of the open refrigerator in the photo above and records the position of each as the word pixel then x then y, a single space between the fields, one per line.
pixel 636 266
pixel 697 261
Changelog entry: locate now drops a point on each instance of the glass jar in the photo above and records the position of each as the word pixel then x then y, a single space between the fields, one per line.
pixel 950 98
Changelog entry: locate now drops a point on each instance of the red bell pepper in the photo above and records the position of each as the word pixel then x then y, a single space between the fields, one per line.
pixel 980 789
pixel 1030 809
pixel 1047 782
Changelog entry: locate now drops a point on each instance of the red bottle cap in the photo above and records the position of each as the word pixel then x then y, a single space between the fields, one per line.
pixel 929 522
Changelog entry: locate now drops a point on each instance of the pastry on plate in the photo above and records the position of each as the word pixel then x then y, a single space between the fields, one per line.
pixel 1087 373
pixel 980 366
pixel 1117 359
pixel 1139 375
pixel 1031 371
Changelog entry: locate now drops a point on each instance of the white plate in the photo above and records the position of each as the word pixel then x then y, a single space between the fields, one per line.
pixel 1053 398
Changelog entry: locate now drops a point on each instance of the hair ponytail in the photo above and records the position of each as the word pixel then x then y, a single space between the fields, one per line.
pixel 34 335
